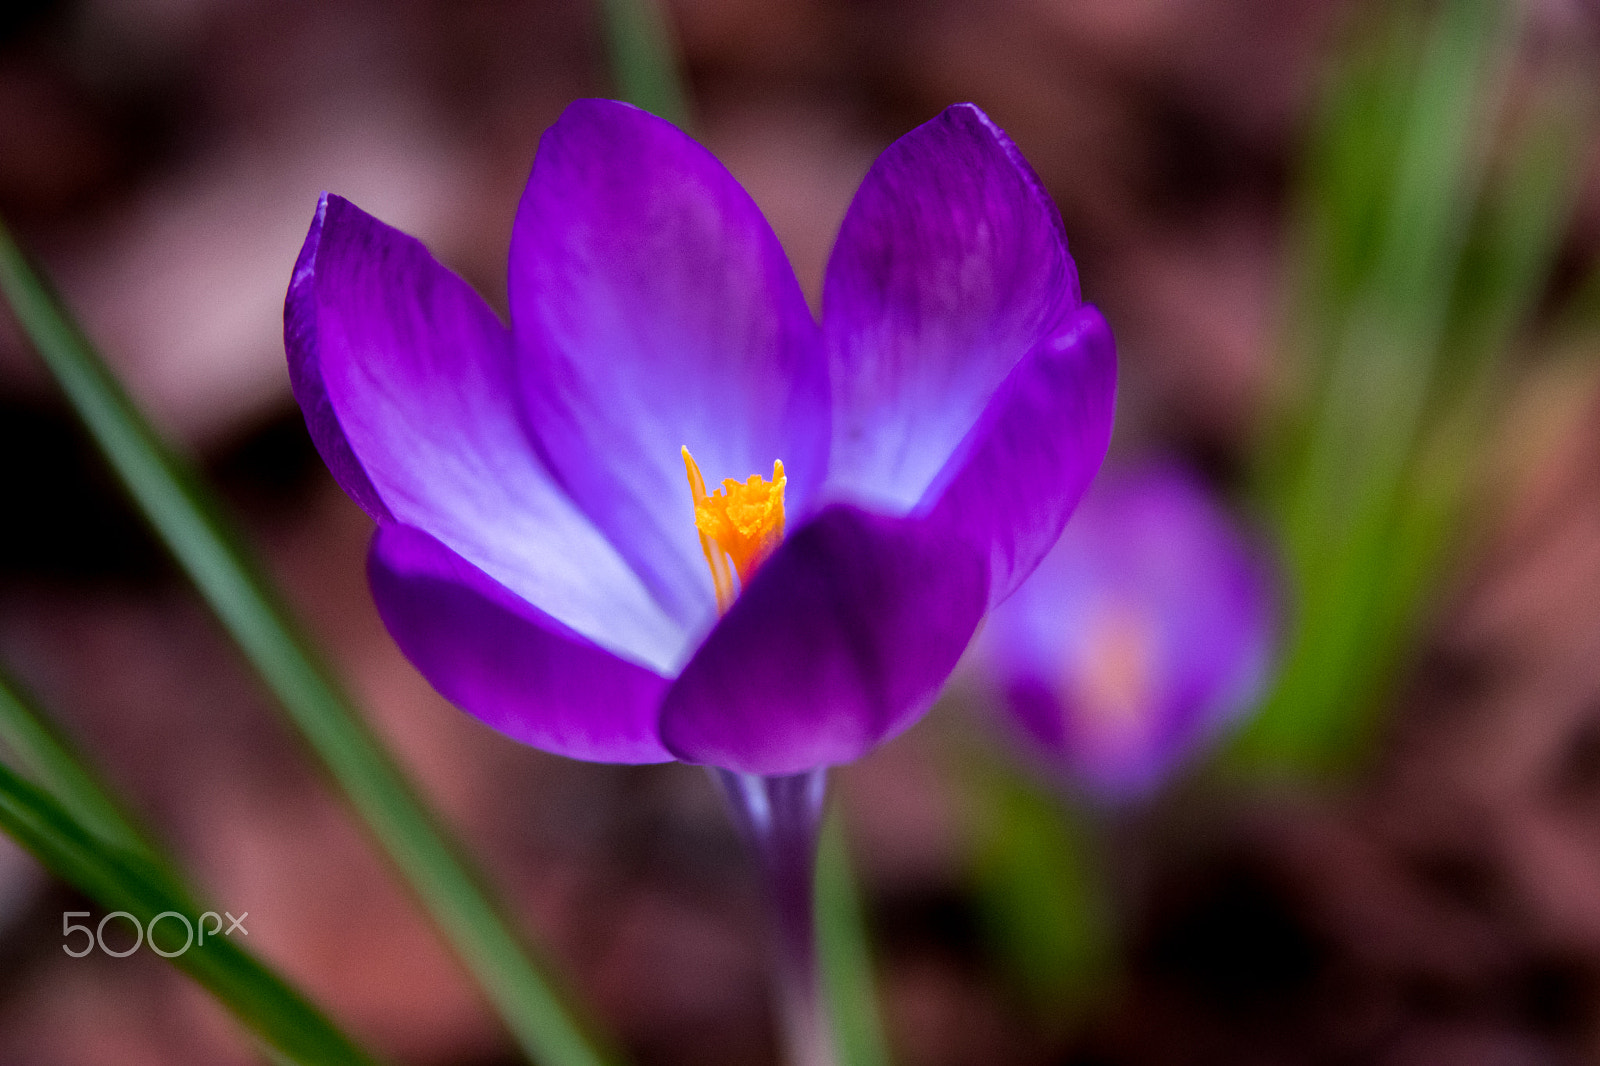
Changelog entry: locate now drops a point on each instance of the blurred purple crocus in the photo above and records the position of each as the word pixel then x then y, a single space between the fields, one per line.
pixel 547 553
pixel 1142 635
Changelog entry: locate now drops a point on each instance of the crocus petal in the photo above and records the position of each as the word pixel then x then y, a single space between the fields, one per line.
pixel 1035 449
pixel 840 641
pixel 1218 593
pixel 951 264
pixel 305 377
pixel 655 310
pixel 404 360
pixel 510 665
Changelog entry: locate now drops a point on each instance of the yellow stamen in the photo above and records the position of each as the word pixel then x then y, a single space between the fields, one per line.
pixel 739 523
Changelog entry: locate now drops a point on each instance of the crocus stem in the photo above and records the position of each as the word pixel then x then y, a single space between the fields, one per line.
pixel 781 818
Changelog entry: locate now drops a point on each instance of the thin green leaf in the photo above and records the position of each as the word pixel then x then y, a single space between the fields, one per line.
pixel 186 517
pixel 46 756
pixel 643 59
pixel 1343 486
pixel 1510 259
pixel 124 879
pixel 1372 499
pixel 1043 895
pixel 65 779
pixel 849 987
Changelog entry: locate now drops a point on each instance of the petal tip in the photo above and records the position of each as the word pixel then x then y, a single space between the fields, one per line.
pixel 598 112
pixel 970 112
pixel 305 262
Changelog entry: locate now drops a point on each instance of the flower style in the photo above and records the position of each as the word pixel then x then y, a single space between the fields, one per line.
pixel 1143 633
pixel 541 555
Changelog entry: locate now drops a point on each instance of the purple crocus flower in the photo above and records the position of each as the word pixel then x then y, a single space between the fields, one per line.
pixel 547 553
pixel 538 554
pixel 1143 633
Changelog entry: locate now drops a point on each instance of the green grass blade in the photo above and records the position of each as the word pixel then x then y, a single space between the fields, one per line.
pixel 183 513
pixel 1388 342
pixel 1423 270
pixel 1512 256
pixel 49 759
pixel 1384 316
pixel 123 879
pixel 45 755
pixel 1043 896
pixel 848 983
pixel 644 62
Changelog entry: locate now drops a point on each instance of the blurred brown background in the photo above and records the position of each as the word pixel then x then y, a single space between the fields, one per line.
pixel 162 158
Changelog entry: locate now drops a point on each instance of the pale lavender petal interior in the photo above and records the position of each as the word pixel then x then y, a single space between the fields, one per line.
pixel 417 371
pixel 507 663
pixel 950 265
pixel 654 310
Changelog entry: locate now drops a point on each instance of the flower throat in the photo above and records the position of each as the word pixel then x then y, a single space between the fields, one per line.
pixel 1115 680
pixel 739 523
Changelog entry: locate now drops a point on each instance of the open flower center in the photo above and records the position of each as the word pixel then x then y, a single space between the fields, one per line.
pixel 741 523
pixel 1115 677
